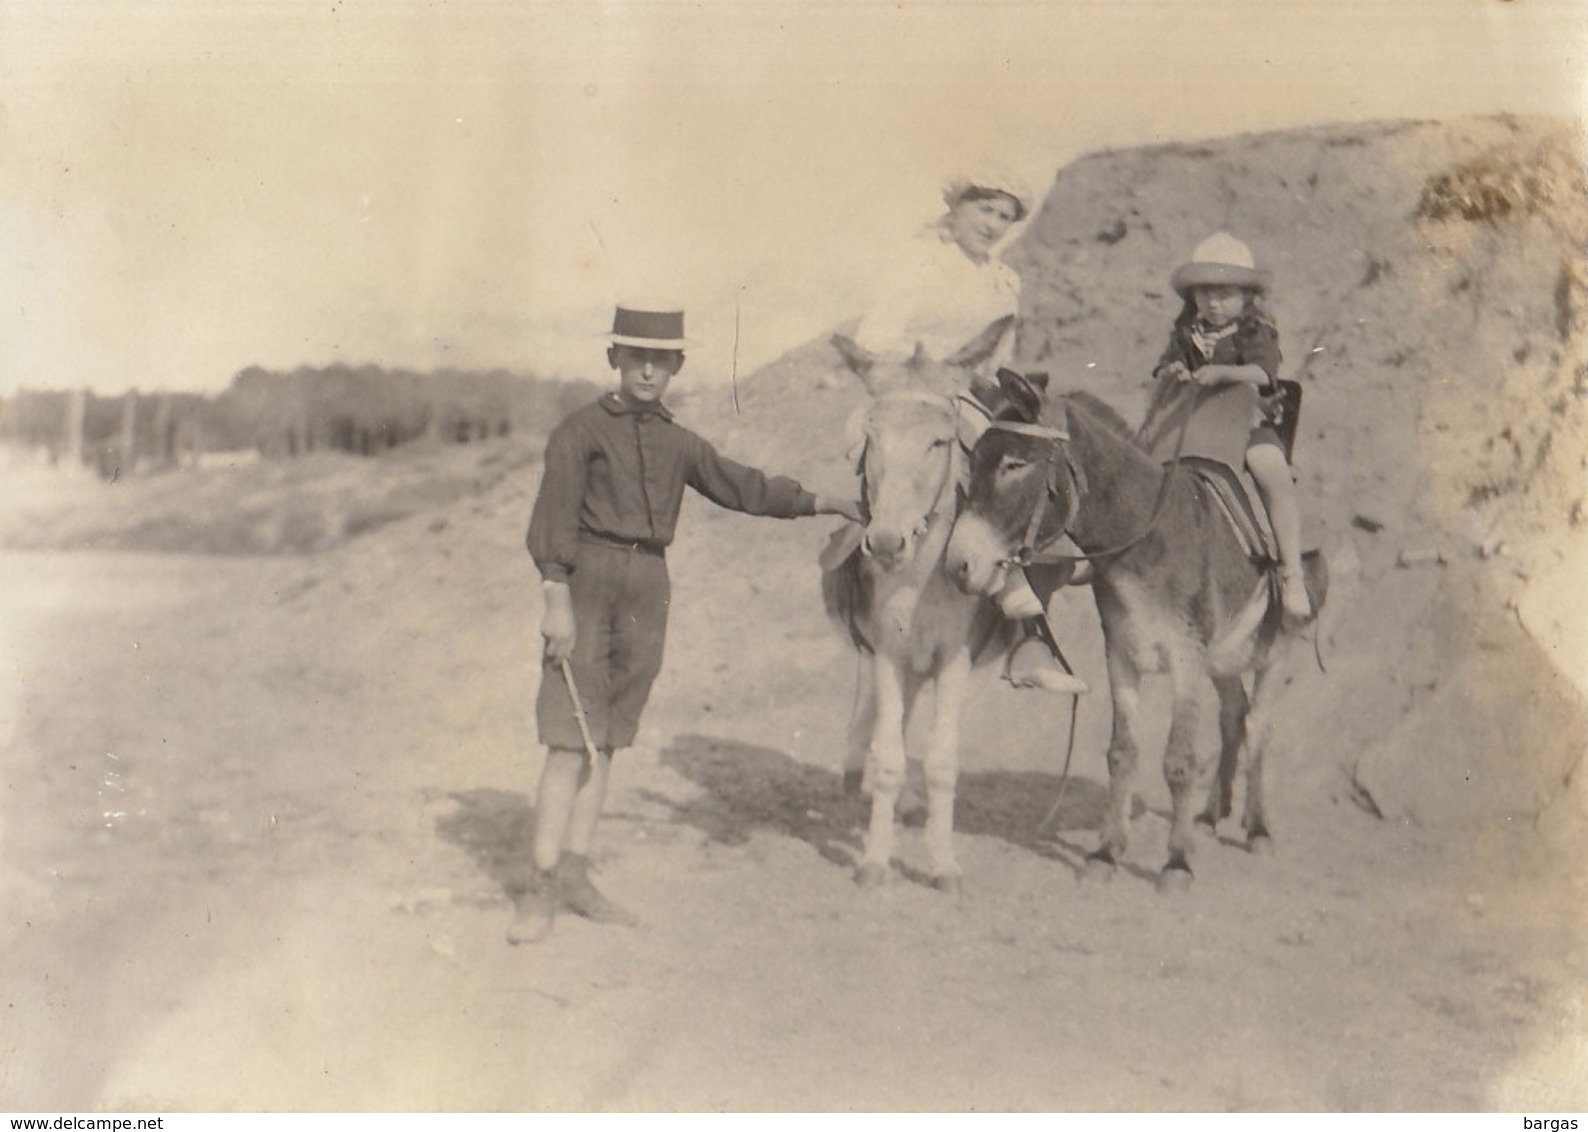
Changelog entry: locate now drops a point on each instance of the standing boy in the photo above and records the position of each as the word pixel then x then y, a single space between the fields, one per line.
pixel 613 483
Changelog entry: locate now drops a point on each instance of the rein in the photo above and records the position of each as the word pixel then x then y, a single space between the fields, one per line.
pixel 1028 549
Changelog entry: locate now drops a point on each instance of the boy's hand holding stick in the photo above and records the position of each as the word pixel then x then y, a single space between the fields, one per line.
pixel 557 626
pixel 556 622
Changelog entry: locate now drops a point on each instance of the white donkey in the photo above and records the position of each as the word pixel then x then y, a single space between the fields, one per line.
pixel 909 620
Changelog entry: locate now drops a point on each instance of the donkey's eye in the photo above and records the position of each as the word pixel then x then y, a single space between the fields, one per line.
pixel 940 442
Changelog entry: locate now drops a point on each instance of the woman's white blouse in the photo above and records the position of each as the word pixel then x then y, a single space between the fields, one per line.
pixel 937 296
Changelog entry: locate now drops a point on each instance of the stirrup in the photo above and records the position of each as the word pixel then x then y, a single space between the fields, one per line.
pixel 1046 673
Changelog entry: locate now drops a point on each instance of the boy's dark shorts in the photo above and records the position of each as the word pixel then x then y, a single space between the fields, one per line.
pixel 620 601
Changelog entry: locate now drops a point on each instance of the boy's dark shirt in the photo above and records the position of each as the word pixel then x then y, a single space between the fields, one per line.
pixel 618 472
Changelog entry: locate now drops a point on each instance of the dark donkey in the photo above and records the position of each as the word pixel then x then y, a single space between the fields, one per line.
pixel 1175 588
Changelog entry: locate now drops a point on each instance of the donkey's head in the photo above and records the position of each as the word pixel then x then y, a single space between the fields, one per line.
pixel 1024 488
pixel 909 470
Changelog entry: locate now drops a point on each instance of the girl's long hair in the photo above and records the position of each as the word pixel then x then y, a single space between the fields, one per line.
pixel 1255 314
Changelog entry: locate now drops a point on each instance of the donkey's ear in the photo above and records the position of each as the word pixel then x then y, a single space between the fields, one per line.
pixel 855 356
pixel 1025 393
pixel 855 433
pixel 972 419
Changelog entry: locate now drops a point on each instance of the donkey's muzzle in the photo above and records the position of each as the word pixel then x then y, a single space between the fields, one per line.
pixel 887 547
pixel 975 560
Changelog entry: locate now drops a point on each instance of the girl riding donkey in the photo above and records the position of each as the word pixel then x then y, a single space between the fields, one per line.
pixel 1217 393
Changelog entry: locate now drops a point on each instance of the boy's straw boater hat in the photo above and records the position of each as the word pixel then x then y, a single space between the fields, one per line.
pixel 1220 261
pixel 650 325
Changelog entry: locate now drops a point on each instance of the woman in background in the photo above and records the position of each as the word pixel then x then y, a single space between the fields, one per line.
pixel 947 297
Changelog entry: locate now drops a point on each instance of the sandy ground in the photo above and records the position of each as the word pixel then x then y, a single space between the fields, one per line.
pixel 257 814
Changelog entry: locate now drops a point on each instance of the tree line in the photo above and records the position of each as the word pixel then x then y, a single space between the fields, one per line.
pixel 362 410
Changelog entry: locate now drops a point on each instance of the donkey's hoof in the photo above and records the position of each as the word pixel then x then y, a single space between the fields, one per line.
pixel 949 884
pixel 1173 879
pixel 1098 870
pixel 1260 845
pixel 871 875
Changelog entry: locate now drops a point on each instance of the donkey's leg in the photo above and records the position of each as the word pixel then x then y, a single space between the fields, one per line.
pixel 942 769
pixel 1259 726
pixel 1181 767
pixel 1232 732
pixel 1124 681
pixel 886 770
pixel 862 724
pixel 910 808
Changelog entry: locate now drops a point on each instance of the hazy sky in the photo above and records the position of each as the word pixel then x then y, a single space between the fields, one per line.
pixel 188 187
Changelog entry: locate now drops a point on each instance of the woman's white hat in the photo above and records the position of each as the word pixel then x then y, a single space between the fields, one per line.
pixel 991 177
pixel 1220 261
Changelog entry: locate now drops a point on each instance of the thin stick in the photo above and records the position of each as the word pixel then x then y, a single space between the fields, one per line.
pixel 578 708
pixel 734 373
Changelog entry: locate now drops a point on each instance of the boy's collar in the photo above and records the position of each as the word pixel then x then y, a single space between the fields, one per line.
pixel 618 407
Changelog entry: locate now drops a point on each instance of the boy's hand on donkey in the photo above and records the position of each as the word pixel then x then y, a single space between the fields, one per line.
pixel 848 508
pixel 1175 371
pixel 556 622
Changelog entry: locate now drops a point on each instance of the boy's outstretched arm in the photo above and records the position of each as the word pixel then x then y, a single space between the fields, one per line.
pixel 740 487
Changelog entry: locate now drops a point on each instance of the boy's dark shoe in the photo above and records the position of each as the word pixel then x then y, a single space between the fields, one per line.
pixel 580 897
pixel 534 910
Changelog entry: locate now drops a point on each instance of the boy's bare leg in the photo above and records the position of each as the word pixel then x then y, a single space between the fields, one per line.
pixel 556 804
pixel 562 805
pixel 578 793
pixel 587 803
pixel 1272 473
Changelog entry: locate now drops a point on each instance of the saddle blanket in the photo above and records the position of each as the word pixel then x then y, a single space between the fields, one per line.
pixel 1236 496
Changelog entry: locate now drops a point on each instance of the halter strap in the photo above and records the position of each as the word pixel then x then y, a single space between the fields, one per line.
pixel 1027 551
pixel 1169 474
pixel 1056 437
pixel 1021 428
pixel 948 488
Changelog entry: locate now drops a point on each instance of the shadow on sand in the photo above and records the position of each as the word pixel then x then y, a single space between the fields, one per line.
pixel 496 829
pixel 749 788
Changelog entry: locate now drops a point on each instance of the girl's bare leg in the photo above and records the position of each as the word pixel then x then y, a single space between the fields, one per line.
pixel 1268 467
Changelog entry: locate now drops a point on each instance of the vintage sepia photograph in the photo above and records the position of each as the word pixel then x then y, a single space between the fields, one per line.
pixel 755 556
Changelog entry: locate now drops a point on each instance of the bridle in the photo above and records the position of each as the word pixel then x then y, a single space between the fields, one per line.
pixel 948 486
pixel 1028 549
pixel 1056 440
